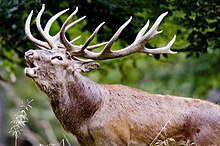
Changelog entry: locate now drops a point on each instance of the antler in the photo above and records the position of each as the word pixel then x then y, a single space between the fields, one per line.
pixel 85 50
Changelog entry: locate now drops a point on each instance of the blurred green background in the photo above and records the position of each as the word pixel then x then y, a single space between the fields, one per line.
pixel 193 72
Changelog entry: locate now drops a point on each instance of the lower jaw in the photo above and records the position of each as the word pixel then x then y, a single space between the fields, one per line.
pixel 30 72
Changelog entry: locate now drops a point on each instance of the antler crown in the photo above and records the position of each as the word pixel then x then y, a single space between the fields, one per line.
pixel 59 40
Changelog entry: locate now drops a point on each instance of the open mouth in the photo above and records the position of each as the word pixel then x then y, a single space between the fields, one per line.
pixel 31 69
pixel 30 63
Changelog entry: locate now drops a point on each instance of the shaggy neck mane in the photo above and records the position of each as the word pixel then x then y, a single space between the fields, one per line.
pixel 75 101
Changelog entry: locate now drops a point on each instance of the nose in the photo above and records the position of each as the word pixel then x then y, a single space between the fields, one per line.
pixel 29 54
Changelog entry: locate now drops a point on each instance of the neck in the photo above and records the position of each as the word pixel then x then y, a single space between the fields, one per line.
pixel 75 101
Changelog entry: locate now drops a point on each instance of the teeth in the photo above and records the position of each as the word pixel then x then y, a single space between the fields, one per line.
pixel 30 63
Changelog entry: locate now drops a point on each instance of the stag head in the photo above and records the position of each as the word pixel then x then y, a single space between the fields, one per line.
pixel 59 57
pixel 54 63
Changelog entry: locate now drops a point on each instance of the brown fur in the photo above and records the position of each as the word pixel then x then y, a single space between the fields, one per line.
pixel 119 115
pixel 110 115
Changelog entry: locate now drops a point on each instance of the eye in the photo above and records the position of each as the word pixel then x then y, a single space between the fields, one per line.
pixel 57 57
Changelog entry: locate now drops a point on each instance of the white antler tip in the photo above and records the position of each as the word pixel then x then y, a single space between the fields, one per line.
pixel 43 6
pixel 102 23
pixel 158 32
pixel 165 13
pixel 172 52
pixel 171 43
pixel 76 10
pixel 66 10
pixel 127 22
pixel 174 38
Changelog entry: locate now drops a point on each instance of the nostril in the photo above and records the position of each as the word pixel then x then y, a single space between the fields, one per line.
pixel 29 53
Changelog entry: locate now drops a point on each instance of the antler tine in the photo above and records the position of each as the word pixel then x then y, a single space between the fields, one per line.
pixel 153 30
pixel 85 46
pixel 91 38
pixel 151 33
pixel 162 50
pixel 96 46
pixel 51 21
pixel 107 48
pixel 57 36
pixel 71 25
pixel 143 30
pixel 43 34
pixel 74 23
pixel 64 28
pixel 30 36
pixel 75 39
pixel 68 44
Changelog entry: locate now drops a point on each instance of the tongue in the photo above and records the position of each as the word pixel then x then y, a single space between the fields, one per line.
pixel 30 64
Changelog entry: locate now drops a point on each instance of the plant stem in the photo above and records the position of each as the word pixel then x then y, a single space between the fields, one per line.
pixel 16 141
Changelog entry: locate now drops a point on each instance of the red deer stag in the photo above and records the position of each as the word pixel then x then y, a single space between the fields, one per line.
pixel 104 115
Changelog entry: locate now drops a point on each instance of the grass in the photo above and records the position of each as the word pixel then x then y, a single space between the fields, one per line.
pixel 62 143
pixel 20 120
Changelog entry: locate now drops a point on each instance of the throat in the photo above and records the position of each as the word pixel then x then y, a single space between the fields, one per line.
pixel 85 95
pixel 76 101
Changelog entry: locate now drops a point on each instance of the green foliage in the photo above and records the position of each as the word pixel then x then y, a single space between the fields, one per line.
pixel 201 18
pixel 13 41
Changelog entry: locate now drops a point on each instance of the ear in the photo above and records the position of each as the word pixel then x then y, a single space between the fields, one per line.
pixel 88 66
